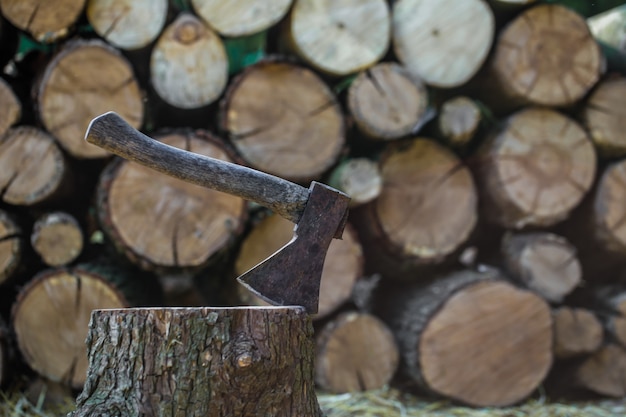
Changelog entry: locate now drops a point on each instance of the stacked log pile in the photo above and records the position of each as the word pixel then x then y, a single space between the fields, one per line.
pixel 482 142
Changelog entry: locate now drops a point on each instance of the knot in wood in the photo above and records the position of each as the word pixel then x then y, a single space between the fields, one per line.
pixel 244 360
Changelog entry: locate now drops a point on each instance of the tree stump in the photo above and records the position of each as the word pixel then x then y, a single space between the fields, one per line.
pixel 214 362
pixel 284 120
pixel 340 37
pixel 444 43
pixel 576 332
pixel 10 107
pixel 536 169
pixel 359 178
pixel 11 246
pixel 84 80
pixel 162 223
pixel 237 18
pixel 127 24
pixel 188 65
pixel 546 56
pixel 604 372
pixel 387 102
pixel 57 238
pixel 605 117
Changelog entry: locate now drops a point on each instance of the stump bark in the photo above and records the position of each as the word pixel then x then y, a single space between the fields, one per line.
pixel 577 332
pixel 212 362
pixel 605 117
pixel 57 238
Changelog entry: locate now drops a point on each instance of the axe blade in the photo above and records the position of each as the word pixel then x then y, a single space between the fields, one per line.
pixel 293 274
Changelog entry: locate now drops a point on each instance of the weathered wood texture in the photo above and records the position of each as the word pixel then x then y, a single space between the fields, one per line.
pixel 44 20
pixel 604 116
pixel 576 332
pixel 57 238
pixel 200 361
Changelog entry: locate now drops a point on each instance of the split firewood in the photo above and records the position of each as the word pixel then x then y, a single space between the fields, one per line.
pixel 163 223
pixel 284 120
pixel 236 18
pixel 605 117
pixel 84 80
pixel 44 20
pixel 427 208
pixel 608 210
pixel 188 65
pixel 34 169
pixel 57 238
pixel 495 337
pixel 387 102
pixel 10 107
pixel 340 37
pixel 359 178
pixel 545 56
pixel 577 332
pixel 458 121
pixel 51 316
pixel 604 372
pixel 543 262
pixel 11 246
pixel 536 169
pixel 127 24
pixel 444 43
pixel 342 267
pixel 355 352
pixel 200 361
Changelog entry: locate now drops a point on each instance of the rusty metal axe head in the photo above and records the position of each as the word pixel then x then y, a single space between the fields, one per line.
pixel 292 275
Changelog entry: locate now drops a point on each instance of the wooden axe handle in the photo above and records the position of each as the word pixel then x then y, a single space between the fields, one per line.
pixel 109 131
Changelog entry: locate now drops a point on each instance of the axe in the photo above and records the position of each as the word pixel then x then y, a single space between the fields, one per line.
pixel 292 275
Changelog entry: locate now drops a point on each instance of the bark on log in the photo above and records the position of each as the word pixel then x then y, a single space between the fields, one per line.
pixel 536 169
pixel 427 208
pixel 459 119
pixel 10 107
pixel 355 352
pixel 283 120
pixel 34 170
pixel 44 20
pixel 212 362
pixel 609 209
pixel 359 178
pixel 604 372
pixel 444 43
pixel 340 37
pixel 188 65
pixel 11 247
pixel 84 80
pixel 161 223
pixel 238 18
pixel 604 116
pixel 127 24
pixel 546 56
pixel 387 102
pixel 342 267
pixel 57 238
pixel 577 332
pixel 544 262
pixel 473 337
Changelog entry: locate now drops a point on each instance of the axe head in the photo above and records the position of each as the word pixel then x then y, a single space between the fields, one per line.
pixel 292 275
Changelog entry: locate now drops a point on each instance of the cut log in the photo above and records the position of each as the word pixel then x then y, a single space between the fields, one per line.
pixel 355 352
pixel 459 119
pixel 127 24
pixel 605 117
pixel 543 262
pixel 359 178
pixel 85 80
pixel 427 208
pixel 11 246
pixel 162 223
pixel 386 102
pixel 340 37
pixel 200 361
pixel 496 338
pixel 188 65
pixel 545 56
pixel 34 169
pixel 609 209
pixel 57 238
pixel 342 267
pixel 284 120
pixel 536 169
pixel 604 372
pixel 44 20
pixel 236 18
pixel 11 108
pixel 444 43
pixel 576 332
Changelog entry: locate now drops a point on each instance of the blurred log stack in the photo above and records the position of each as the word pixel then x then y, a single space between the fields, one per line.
pixel 483 143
